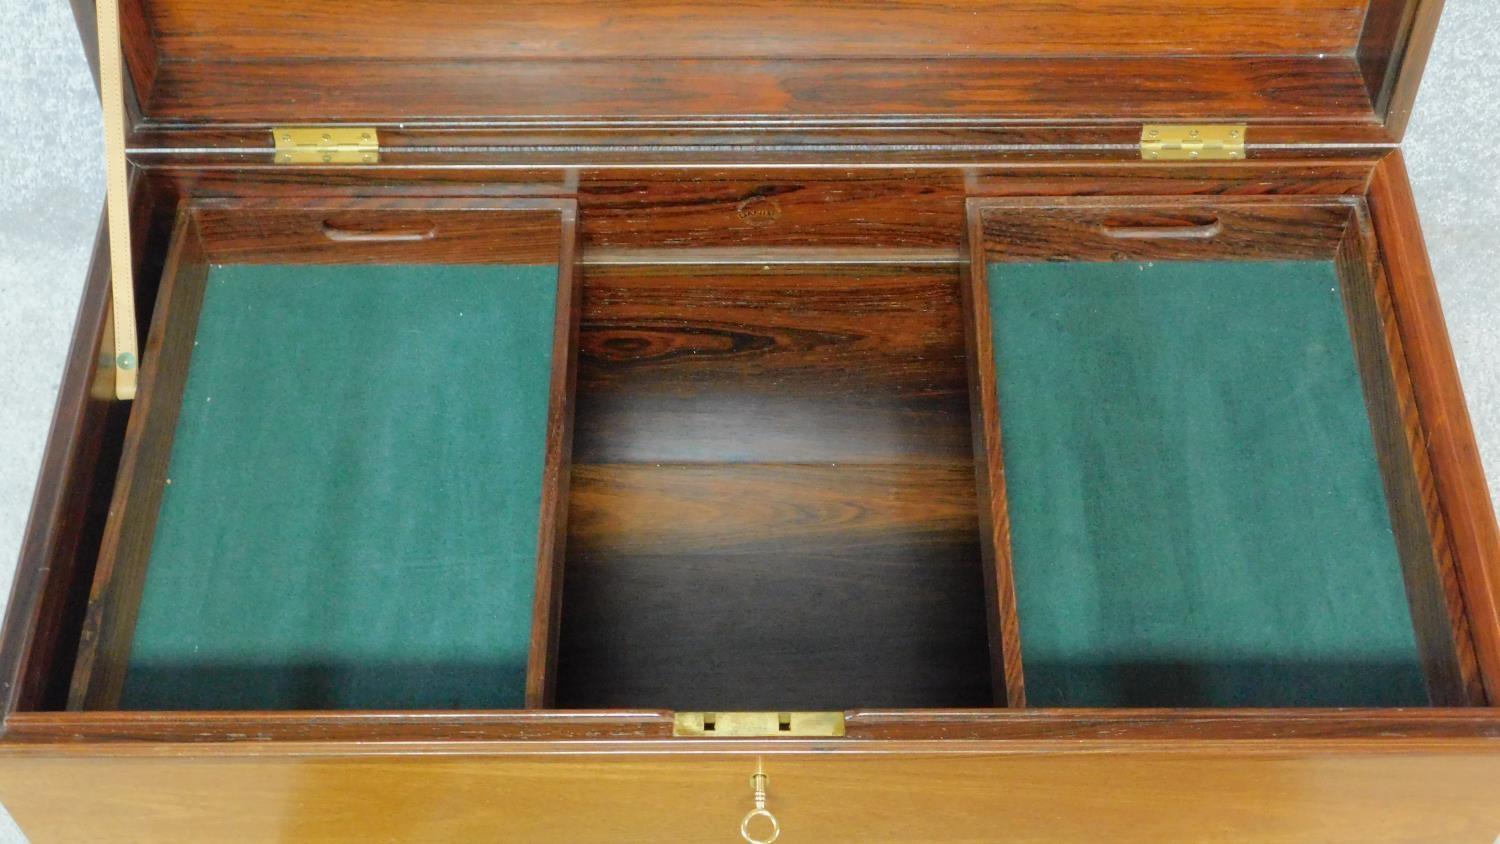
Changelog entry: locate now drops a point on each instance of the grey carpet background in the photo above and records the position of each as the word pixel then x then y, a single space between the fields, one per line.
pixel 51 186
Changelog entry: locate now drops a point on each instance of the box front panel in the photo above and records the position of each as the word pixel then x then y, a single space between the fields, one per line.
pixel 1147 795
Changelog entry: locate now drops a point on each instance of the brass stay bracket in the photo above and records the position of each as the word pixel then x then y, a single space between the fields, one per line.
pixel 123 360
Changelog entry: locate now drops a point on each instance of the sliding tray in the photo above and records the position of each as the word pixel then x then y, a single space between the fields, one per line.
pixel 345 478
pixel 1201 468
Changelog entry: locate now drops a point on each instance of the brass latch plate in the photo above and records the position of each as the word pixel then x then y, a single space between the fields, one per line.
pixel 327 145
pixel 1193 142
pixel 757 724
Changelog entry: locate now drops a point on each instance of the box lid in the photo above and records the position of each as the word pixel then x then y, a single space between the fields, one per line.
pixel 1061 71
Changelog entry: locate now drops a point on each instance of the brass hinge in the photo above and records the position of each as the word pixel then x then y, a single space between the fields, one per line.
pixel 327 145
pixel 1195 142
pixel 757 724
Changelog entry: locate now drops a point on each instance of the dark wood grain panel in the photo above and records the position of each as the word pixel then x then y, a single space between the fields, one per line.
pixel 1387 24
pixel 68 510
pixel 1293 89
pixel 1421 531
pixel 1457 473
pixel 631 192
pixel 142 51
pixel 773 585
pixel 557 465
pixel 1162 229
pixel 1392 51
pixel 120 576
pixel 891 209
pixel 1149 178
pixel 472 29
pixel 379 231
pixel 759 508
pixel 78 472
pixel 1251 731
pixel 989 468
pixel 776 363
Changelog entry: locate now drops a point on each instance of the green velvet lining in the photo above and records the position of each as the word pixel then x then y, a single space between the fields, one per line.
pixel 355 486
pixel 1197 513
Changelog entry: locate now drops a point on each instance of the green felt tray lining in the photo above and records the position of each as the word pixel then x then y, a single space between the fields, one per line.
pixel 351 519
pixel 1197 513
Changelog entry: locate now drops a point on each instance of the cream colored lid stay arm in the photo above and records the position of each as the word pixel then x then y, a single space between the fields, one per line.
pixel 125 361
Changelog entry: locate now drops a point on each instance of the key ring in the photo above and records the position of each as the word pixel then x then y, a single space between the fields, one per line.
pixel 758 782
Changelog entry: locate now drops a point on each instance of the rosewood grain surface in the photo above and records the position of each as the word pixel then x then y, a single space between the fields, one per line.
pixel 773 586
pixel 857 192
pixel 1421 531
pixel 67 516
pixel 827 210
pixel 1291 89
pixel 1103 229
pixel 771 363
pixel 514 29
pixel 391 231
pixel 989 470
pixel 1393 51
pixel 376 733
pixel 68 513
pixel 1386 29
pixel 119 577
pixel 768 60
pixel 772 491
pixel 552 527
pixel 1344 64
pixel 1457 473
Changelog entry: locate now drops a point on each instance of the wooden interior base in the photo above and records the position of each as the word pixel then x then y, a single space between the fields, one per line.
pixel 773 499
